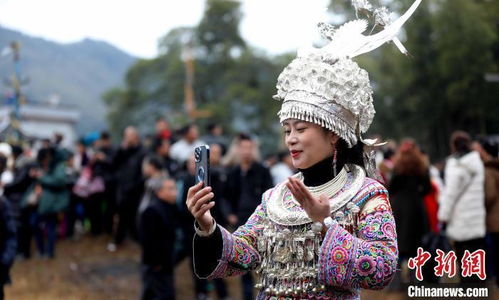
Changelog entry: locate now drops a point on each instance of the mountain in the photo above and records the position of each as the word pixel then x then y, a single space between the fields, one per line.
pixel 76 73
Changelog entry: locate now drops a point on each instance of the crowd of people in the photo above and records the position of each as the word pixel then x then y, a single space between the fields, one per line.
pixel 138 190
pixel 456 198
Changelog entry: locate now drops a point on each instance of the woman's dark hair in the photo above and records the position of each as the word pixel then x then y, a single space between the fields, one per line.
pixel 155 161
pixel 211 126
pixel 460 142
pixel 17 150
pixel 47 153
pixel 345 155
pixel 490 146
pixel 157 142
pixel 104 135
pixel 242 136
pixel 185 130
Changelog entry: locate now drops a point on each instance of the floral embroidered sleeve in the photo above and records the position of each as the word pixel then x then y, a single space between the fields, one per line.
pixel 368 260
pixel 238 250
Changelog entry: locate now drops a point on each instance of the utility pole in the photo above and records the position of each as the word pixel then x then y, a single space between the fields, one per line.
pixel 189 101
pixel 18 98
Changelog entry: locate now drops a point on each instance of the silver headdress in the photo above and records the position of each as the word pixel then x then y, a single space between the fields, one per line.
pixel 326 87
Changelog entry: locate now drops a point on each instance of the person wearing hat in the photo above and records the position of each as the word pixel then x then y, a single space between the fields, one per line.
pixel 327 231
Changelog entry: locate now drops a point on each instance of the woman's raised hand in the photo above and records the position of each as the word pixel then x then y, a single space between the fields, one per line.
pixel 198 203
pixel 316 208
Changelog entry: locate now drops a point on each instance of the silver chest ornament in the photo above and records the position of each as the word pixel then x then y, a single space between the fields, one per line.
pixel 290 242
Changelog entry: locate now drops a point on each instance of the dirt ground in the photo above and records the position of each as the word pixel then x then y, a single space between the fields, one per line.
pixel 84 269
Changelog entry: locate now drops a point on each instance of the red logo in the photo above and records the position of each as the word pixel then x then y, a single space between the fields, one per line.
pixel 473 264
pixel 446 263
pixel 418 262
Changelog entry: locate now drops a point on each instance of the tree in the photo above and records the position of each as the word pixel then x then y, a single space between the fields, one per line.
pixel 218 31
pixel 441 86
pixel 233 81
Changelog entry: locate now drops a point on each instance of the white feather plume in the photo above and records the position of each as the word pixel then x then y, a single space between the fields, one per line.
pixel 352 28
pixel 372 42
pixel 348 40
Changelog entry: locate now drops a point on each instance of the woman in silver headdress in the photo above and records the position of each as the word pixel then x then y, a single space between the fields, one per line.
pixel 329 230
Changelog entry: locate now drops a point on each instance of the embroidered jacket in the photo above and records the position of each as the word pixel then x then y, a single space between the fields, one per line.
pixel 364 256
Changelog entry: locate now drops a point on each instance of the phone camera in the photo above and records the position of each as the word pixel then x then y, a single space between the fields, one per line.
pixel 197 154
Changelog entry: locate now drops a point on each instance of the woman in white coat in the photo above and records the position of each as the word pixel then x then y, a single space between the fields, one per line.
pixel 462 206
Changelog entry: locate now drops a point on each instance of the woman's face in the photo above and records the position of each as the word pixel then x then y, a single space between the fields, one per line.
pixel 308 143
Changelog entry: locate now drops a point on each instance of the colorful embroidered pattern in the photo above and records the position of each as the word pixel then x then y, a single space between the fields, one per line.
pixel 366 258
pixel 239 253
pixel 372 255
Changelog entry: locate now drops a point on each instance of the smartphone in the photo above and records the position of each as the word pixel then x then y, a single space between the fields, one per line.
pixel 202 157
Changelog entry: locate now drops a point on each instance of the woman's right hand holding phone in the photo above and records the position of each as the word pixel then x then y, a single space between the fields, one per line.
pixel 199 204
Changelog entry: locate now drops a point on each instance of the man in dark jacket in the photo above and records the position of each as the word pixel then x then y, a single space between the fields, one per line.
pixel 8 242
pixel 103 166
pixel 245 185
pixel 161 148
pixel 130 184
pixel 246 182
pixel 186 222
pixel 14 193
pixel 157 224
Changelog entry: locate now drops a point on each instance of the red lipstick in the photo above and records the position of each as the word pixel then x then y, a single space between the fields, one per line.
pixel 295 153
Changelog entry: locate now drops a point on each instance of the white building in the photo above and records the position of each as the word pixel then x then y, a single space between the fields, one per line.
pixel 42 121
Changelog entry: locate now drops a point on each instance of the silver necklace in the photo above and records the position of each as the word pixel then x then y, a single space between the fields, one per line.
pixel 278 212
pixel 329 188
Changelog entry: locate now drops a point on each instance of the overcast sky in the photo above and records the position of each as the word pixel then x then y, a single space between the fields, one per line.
pixel 135 26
